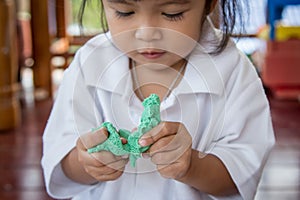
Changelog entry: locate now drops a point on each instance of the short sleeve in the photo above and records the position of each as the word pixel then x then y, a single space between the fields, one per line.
pixel 246 135
pixel 62 131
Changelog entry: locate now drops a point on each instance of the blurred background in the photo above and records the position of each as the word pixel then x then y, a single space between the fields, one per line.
pixel 38 39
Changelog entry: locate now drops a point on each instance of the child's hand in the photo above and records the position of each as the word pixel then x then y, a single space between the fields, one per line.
pixel 103 166
pixel 171 148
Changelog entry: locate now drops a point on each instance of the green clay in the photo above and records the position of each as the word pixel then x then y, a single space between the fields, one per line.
pixel 150 118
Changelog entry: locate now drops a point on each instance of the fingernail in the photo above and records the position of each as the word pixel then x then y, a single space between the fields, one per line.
pixel 125 156
pixel 124 141
pixel 145 155
pixel 143 142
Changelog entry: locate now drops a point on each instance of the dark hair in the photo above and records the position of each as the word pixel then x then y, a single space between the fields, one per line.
pixel 229 13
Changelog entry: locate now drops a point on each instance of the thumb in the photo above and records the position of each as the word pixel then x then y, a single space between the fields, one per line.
pixel 91 139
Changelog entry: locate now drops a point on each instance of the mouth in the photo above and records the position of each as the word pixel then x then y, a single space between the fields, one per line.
pixel 152 54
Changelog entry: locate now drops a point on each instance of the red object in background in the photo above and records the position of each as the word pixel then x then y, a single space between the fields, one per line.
pixel 281 72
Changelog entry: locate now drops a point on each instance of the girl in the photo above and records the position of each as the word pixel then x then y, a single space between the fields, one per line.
pixel 215 133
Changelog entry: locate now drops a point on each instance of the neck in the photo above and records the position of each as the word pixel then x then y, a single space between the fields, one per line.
pixel 154 78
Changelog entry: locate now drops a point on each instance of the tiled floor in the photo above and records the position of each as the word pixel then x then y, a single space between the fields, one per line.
pixel 21 149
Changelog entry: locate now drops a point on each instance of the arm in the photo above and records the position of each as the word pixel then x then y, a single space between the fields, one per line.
pixel 172 153
pixel 209 175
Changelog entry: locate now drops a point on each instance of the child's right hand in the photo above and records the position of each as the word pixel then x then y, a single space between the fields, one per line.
pixel 103 165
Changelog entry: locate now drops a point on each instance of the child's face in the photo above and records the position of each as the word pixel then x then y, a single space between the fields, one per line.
pixel 155 31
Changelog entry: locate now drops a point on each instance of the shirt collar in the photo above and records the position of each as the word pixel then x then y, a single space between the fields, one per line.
pixel 201 75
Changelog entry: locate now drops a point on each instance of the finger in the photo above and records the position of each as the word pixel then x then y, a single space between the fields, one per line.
pixel 163 144
pixel 168 149
pixel 104 170
pixel 177 168
pixel 172 157
pixel 166 155
pixel 166 158
pixel 105 157
pixel 118 164
pixel 123 140
pixel 161 130
pixel 110 177
pixel 109 169
pixel 146 155
pixel 167 143
pixel 97 159
pixel 89 159
pixel 91 139
pixel 104 173
pixel 170 171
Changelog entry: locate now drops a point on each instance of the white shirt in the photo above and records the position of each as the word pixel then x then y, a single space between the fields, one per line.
pixel 220 100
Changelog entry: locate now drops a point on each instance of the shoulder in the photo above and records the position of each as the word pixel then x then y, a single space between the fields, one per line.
pixel 236 64
pixel 231 60
pixel 99 58
pixel 226 71
pixel 97 47
pixel 95 55
pixel 92 46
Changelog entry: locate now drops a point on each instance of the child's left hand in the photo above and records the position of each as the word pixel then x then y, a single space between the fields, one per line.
pixel 171 148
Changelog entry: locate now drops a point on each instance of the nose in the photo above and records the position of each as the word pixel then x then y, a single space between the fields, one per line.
pixel 148 34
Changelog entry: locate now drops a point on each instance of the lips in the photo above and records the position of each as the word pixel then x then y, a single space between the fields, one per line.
pixel 152 54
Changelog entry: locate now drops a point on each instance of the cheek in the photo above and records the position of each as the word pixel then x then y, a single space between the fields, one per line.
pixel 121 36
pixel 119 31
pixel 193 32
pixel 182 41
pixel 112 25
pixel 192 25
pixel 196 34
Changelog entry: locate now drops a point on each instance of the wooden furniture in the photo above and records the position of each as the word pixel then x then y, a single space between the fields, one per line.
pixel 50 41
pixel 40 46
pixel 9 105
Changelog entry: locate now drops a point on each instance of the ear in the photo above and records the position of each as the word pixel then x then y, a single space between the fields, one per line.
pixel 213 5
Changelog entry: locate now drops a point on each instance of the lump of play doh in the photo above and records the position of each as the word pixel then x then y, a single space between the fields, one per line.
pixel 113 142
pixel 150 118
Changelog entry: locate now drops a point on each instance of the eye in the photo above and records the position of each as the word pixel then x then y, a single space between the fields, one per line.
pixel 120 14
pixel 174 17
